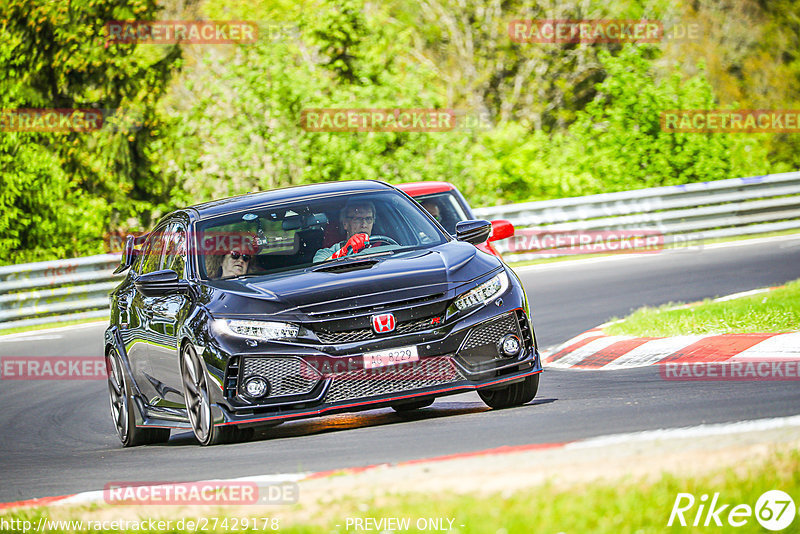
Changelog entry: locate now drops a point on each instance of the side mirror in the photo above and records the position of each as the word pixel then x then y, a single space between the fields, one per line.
pixel 160 283
pixel 501 229
pixel 473 232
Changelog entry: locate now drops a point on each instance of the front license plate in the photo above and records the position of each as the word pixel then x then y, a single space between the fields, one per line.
pixel 385 358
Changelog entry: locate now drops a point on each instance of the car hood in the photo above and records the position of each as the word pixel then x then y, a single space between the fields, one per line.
pixel 352 284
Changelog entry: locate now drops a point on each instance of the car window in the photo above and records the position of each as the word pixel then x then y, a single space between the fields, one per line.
pixel 154 251
pixel 141 256
pixel 450 210
pixel 175 257
pixel 288 235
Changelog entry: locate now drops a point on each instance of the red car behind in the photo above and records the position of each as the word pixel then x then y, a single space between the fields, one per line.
pixel 453 208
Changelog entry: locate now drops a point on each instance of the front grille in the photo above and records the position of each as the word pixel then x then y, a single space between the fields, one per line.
pixel 490 333
pixel 287 376
pixel 350 336
pixel 363 383
pixel 364 334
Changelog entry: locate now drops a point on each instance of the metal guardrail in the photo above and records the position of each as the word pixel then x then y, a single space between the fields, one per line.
pixel 38 293
pixel 675 214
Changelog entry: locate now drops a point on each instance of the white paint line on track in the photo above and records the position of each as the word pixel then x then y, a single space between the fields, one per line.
pixel 270 479
pixel 28 338
pixel 81 498
pixel 618 257
pixel 743 294
pixel 55 329
pixel 755 241
pixel 775 348
pixel 757 425
pixel 571 341
pixel 651 352
pixel 587 350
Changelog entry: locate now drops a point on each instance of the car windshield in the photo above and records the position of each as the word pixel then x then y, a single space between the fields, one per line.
pixel 303 234
pixel 445 208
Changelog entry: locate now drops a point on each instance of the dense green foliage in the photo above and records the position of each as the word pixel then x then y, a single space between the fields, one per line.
pixel 616 141
pixel 188 123
pixel 61 191
pixel 244 125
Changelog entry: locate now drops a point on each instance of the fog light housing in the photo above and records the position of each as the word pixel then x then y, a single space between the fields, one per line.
pixel 256 387
pixel 510 345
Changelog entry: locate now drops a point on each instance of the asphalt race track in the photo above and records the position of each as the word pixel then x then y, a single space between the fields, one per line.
pixel 57 437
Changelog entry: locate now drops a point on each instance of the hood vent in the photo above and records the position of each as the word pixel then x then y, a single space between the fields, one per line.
pixel 346 267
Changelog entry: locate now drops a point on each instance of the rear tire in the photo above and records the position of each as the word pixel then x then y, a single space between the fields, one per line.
pixel 412 405
pixel 513 395
pixel 123 411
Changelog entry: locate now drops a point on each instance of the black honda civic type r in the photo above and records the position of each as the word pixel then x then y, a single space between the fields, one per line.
pixel 307 301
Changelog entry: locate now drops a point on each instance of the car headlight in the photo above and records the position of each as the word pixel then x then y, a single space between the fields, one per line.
pixel 265 330
pixel 487 290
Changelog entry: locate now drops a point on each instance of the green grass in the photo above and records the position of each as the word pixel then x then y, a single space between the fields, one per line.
pixel 775 311
pixel 620 506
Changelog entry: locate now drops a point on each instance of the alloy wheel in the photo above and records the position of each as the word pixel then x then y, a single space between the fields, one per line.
pixel 117 395
pixel 195 390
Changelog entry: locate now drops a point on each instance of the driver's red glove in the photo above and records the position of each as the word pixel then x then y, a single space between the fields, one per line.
pixel 355 243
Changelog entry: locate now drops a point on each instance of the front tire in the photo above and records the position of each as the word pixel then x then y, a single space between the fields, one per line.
pixel 198 403
pixel 515 394
pixel 123 412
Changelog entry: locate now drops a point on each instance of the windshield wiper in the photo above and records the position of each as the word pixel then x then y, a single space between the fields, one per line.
pixel 241 276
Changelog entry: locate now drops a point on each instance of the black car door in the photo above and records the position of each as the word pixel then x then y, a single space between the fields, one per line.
pixel 141 315
pixel 167 314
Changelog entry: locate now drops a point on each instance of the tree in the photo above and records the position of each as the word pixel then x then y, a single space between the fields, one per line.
pixel 617 142
pixel 60 191
pixel 242 130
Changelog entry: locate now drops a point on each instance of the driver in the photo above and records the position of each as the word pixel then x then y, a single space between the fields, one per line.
pixel 433 208
pixel 356 219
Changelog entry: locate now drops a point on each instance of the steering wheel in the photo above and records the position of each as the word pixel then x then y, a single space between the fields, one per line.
pixel 384 240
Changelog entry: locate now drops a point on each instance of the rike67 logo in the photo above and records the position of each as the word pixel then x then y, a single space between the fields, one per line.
pixel 774 510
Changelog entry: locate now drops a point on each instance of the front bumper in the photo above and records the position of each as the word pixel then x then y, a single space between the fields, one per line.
pixel 308 380
pixel 529 365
